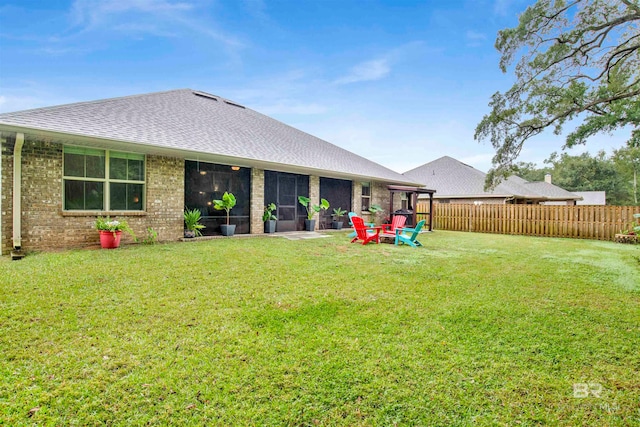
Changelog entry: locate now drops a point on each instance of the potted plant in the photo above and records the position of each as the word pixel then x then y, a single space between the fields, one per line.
pixel 310 223
pixel 337 214
pixel 227 203
pixel 111 231
pixel 192 223
pixel 269 218
pixel 630 235
pixel 375 209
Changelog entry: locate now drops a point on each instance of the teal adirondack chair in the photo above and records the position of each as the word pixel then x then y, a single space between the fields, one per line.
pixel 412 238
pixel 353 233
pixel 351 215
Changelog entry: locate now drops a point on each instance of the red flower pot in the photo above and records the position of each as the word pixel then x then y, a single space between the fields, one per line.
pixel 110 239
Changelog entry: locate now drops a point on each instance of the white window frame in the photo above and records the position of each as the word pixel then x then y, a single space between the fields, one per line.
pixel 363 197
pixel 106 202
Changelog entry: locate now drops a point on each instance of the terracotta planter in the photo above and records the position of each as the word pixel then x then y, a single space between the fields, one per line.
pixel 110 239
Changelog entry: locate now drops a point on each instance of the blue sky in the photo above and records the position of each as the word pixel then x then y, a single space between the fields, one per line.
pixel 399 82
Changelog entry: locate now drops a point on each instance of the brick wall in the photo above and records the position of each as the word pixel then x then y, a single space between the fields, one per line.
pixel 380 196
pixel 314 195
pixel 257 201
pixel 6 201
pixel 42 225
pixel 165 199
pixel 356 197
pixel 46 227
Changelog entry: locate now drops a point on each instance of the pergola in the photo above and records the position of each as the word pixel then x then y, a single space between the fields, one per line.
pixel 412 195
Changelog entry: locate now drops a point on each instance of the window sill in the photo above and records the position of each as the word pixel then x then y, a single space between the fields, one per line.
pixel 103 213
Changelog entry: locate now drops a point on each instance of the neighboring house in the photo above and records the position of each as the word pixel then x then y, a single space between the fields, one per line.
pixel 586 197
pixel 147 157
pixel 457 182
pixel 591 197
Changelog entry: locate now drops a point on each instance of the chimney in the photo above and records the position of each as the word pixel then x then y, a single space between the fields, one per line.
pixel 547 178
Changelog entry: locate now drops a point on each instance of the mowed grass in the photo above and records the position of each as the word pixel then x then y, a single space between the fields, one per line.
pixel 470 329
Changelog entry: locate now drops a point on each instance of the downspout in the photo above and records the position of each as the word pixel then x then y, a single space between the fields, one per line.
pixel 17 192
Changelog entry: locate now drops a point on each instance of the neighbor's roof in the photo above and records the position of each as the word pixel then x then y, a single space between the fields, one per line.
pixel 198 126
pixel 454 179
pixel 592 197
pixel 550 191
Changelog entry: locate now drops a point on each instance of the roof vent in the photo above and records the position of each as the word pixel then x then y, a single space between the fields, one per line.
pixel 235 105
pixel 205 95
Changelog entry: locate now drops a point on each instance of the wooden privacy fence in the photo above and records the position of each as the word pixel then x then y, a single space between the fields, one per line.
pixel 580 222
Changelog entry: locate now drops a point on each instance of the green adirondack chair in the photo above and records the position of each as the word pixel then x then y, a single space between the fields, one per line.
pixel 412 238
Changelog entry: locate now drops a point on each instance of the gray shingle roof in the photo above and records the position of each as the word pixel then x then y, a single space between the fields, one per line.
pixel 452 178
pixel 195 122
pixel 592 197
pixel 551 191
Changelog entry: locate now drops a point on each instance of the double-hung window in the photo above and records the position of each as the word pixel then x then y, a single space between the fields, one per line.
pixel 103 180
pixel 126 181
pixel 366 195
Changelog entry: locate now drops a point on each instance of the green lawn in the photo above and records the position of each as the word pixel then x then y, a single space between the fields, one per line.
pixel 471 329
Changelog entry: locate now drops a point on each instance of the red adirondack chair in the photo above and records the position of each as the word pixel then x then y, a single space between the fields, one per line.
pixel 389 230
pixel 362 233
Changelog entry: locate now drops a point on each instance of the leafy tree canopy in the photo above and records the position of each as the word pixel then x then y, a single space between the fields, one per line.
pixel 585 172
pixel 576 59
pixel 627 161
pixel 530 171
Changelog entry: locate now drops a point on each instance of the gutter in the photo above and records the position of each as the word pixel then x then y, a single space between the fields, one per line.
pixel 190 154
pixel 17 197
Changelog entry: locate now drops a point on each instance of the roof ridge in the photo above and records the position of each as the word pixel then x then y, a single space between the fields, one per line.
pixel 308 134
pixel 428 163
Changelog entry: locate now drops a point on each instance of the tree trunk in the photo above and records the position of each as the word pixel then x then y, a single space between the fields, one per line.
pixel 635 186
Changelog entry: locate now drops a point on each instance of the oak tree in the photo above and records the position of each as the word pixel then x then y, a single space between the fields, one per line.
pixel 627 161
pixel 574 59
pixel 584 172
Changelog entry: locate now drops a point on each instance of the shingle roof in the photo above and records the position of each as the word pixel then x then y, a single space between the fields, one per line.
pixel 452 178
pixel 551 191
pixel 197 122
pixel 592 197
